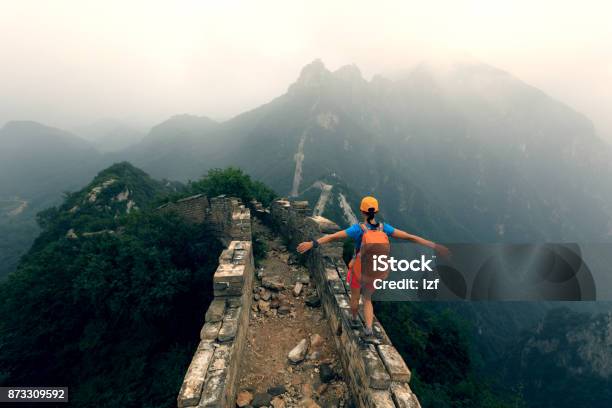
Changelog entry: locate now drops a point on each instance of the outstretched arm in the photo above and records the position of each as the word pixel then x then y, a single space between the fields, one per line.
pixel 307 246
pixel 440 249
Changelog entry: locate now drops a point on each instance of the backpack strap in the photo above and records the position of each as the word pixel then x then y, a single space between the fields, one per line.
pixel 381 227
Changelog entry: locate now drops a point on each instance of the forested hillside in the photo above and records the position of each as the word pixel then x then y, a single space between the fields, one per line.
pixel 109 299
pixel 37 163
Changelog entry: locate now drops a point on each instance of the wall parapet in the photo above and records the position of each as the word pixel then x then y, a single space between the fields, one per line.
pixel 377 375
pixel 212 375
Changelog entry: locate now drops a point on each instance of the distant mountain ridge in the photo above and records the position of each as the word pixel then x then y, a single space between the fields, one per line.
pixel 27 147
pixel 463 152
pixel 468 153
pixel 110 135
pixel 37 164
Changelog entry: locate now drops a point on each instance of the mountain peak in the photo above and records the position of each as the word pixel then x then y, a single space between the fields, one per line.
pixel 349 73
pixel 316 66
pixel 312 76
pixel 118 189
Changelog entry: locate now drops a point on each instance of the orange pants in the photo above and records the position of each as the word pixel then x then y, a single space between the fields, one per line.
pixel 359 280
pixel 354 277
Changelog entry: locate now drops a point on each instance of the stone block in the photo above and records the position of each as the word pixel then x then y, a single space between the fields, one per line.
pixel 228 280
pixel 229 272
pixel 393 361
pixel 228 331
pixel 376 373
pixel 215 311
pixel 380 399
pixel 325 225
pixel 336 287
pixel 206 344
pixel 191 390
pixel 331 274
pixel 210 330
pixel 234 301
pixel 230 325
pixel 214 390
pixel 342 301
pixel 221 357
pixel 403 396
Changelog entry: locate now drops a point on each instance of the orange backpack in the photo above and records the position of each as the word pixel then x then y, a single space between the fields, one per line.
pixel 373 243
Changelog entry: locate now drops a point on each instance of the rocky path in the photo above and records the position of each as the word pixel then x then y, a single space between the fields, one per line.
pixel 290 359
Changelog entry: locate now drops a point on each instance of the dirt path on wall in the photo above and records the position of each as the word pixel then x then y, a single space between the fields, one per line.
pixel 279 322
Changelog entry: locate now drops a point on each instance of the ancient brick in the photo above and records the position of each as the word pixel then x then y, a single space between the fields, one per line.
pixel 331 274
pixel 228 331
pixel 191 390
pixel 214 390
pixel 230 325
pixel 215 311
pixel 221 358
pixel 210 330
pixel 380 399
pixel 234 301
pixel 378 377
pixel 403 396
pixel 325 226
pixel 342 301
pixel 336 287
pixel 396 367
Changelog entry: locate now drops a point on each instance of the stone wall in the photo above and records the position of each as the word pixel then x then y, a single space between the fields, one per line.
pixel 377 375
pixel 211 378
pixel 193 209
pixel 224 217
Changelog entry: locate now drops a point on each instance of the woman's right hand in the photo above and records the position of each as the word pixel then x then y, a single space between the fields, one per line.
pixel 304 247
pixel 443 251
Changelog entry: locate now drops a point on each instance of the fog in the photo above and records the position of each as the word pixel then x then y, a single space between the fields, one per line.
pixel 67 63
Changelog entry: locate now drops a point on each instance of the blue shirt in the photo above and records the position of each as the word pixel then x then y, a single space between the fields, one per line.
pixel 355 232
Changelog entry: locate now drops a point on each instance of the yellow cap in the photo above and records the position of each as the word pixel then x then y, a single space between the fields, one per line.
pixel 367 203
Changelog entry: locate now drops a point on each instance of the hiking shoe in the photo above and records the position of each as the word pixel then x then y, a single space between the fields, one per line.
pixel 371 338
pixel 354 322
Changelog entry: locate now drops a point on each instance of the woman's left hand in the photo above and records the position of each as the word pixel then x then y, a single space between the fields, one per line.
pixel 304 247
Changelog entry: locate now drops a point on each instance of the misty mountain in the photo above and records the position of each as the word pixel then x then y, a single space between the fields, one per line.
pixel 37 164
pixel 464 152
pixel 110 135
pixel 470 153
pixel 461 153
pixel 34 158
pixel 178 149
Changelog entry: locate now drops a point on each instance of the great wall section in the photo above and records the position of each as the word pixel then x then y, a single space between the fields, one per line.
pixel 279 335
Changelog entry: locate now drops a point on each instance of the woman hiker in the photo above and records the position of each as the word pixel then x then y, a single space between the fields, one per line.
pixel 357 280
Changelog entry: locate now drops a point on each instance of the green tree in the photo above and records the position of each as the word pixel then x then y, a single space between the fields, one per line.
pixel 233 181
pixel 114 316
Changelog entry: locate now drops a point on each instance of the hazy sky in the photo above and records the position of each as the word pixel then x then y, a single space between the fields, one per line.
pixel 67 63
